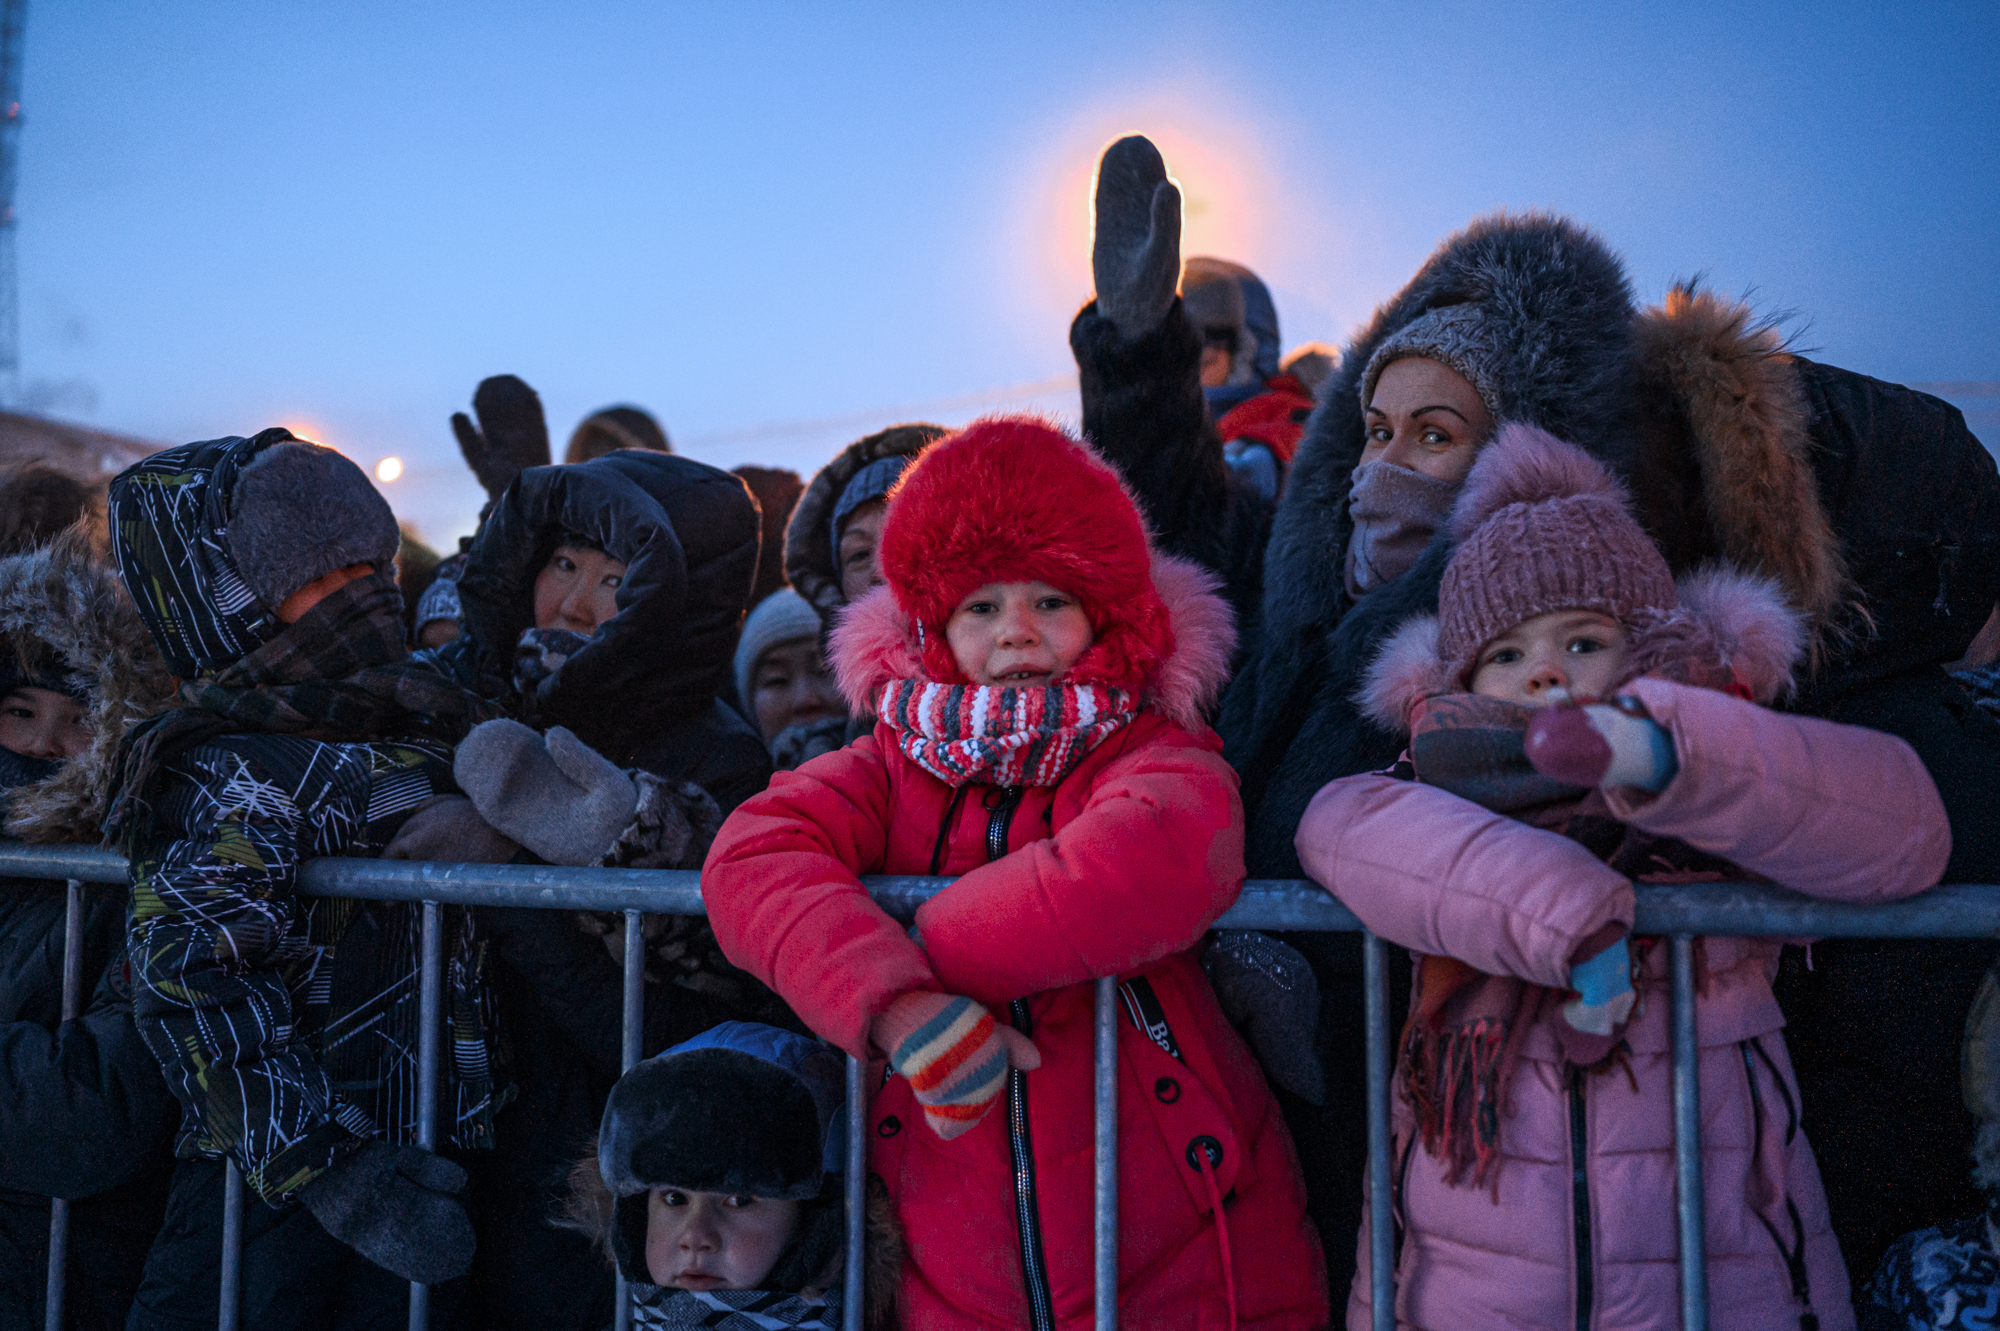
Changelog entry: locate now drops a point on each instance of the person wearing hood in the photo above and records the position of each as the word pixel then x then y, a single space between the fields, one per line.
pixel 87 1116
pixel 601 605
pixel 716 1186
pixel 285 1025
pixel 1041 675
pixel 1259 409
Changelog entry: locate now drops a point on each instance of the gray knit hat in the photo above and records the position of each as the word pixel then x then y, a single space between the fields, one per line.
pixel 1458 337
pixel 301 511
pixel 783 616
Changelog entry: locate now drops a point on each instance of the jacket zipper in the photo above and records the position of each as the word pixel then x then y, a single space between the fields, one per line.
pixel 1579 1158
pixel 1020 1146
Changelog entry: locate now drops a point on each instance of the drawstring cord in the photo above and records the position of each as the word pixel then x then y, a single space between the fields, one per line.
pixel 1207 1171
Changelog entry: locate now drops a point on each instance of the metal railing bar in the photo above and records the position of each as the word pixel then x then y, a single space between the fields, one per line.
pixel 1105 1125
pixel 854 1288
pixel 430 1042
pixel 229 1284
pixel 57 1288
pixel 1687 1140
pixel 632 1031
pixel 1381 1235
pixel 1954 910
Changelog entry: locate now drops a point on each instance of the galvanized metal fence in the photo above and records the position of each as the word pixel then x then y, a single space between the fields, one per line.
pixel 1680 913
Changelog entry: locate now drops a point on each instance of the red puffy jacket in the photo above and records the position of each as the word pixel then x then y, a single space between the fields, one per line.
pixel 1119 870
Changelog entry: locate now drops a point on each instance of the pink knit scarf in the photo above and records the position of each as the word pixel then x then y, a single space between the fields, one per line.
pixel 964 733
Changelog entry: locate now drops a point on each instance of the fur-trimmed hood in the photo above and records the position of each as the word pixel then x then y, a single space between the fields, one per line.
pixel 62 597
pixel 809 565
pixel 874 643
pixel 1727 620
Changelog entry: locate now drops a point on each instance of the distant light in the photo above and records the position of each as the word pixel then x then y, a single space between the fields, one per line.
pixel 388 469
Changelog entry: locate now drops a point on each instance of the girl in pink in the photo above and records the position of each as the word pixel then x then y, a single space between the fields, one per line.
pixel 1041 678
pixel 1578 722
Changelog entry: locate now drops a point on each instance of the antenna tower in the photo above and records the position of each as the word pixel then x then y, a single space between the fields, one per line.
pixel 13 28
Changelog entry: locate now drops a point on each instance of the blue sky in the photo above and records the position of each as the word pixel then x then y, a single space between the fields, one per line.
pixel 777 226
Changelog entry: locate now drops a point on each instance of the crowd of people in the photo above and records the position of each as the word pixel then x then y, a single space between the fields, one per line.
pixel 1524 597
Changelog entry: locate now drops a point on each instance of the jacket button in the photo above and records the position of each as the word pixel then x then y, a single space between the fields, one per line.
pixel 889 1126
pixel 1167 1089
pixel 1204 1145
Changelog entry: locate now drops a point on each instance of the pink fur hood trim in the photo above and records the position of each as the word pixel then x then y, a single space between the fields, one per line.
pixel 1736 619
pixel 873 643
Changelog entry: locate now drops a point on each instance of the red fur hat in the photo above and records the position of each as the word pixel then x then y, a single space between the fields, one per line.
pixel 1014 499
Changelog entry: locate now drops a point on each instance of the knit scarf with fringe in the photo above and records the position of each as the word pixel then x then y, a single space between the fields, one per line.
pixel 966 733
pixel 1466 1028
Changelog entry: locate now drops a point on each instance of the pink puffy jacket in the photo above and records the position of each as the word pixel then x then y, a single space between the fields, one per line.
pixel 1582 1233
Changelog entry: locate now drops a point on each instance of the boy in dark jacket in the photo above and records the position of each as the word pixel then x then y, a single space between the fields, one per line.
pixel 288 1026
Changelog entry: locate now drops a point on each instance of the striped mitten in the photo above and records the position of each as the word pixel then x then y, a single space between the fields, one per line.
pixel 954 1054
pixel 1602 744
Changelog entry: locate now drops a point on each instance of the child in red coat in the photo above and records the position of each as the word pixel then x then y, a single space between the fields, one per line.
pixel 1041 676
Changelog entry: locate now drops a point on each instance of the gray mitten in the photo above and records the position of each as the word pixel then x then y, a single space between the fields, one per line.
pixel 398 1207
pixel 1268 992
pixel 450 831
pixel 559 798
pixel 1135 256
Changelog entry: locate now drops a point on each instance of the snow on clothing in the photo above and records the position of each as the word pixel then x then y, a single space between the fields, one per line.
pixel 1837 811
pixel 1116 870
pixel 87 1116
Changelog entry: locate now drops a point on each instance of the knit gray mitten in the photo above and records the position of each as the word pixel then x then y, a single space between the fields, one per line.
pixel 559 798
pixel 1135 256
pixel 512 434
pixel 1268 992
pixel 449 830
pixel 398 1207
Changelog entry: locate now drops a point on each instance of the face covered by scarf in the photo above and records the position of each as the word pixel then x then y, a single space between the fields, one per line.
pixel 1395 511
pixel 1466 1029
pixel 966 733
pixel 735 1309
pixel 340 673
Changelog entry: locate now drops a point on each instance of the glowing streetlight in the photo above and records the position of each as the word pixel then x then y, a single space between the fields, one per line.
pixel 388 469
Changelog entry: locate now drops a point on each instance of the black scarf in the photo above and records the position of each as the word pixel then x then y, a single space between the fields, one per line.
pixel 341 673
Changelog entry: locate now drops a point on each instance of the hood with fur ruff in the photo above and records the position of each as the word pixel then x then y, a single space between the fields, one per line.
pixel 809 565
pixel 874 642
pixel 1736 621
pixel 62 597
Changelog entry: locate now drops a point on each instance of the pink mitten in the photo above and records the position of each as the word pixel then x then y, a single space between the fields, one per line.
pixel 954 1054
pixel 1602 744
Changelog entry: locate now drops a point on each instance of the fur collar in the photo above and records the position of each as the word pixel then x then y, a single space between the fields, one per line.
pixel 1737 483
pixel 874 643
pixel 1738 620
pixel 63 596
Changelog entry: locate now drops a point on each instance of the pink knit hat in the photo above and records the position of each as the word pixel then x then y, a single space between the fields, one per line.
pixel 1542 526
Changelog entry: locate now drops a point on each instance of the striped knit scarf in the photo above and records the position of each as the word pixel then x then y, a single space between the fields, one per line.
pixel 966 733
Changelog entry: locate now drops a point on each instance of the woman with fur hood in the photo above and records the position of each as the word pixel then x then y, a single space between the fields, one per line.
pixel 1041 676
pixel 86 1116
pixel 1872 506
pixel 1577 722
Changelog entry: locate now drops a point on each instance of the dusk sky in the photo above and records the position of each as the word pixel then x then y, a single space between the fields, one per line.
pixel 778 227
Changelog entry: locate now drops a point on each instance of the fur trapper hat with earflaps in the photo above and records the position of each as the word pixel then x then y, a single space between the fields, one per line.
pixel 1542 526
pixel 1015 499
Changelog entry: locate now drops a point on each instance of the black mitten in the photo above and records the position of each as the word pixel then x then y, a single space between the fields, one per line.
pixel 512 433
pixel 1135 256
pixel 398 1207
pixel 1268 992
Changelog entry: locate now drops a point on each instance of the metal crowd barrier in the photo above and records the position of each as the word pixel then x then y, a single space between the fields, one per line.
pixel 1680 913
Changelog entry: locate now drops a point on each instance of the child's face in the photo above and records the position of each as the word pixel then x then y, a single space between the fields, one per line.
pixel 41 723
pixel 1020 635
pixel 713 1240
pixel 1578 650
pixel 577 590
